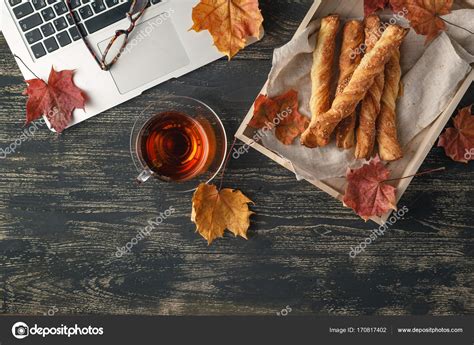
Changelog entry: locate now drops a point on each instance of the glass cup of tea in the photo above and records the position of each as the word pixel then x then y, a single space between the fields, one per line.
pixel 178 140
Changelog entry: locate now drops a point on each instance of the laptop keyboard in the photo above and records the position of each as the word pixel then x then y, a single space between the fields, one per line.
pixel 48 26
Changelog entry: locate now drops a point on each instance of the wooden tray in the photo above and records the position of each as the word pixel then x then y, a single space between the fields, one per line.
pixel 414 154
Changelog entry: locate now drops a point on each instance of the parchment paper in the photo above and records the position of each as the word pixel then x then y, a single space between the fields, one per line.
pixel 431 76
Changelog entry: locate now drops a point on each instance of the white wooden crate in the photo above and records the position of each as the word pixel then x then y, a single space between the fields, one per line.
pixel 414 154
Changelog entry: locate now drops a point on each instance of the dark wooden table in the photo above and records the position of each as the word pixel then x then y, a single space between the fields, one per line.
pixel 67 203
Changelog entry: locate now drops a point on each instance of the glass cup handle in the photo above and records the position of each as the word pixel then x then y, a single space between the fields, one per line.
pixel 144 176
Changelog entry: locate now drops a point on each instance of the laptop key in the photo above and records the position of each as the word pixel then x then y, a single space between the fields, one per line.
pixel 63 38
pixel 38 50
pixel 52 1
pixel 111 3
pixel 30 22
pixel 38 4
pixel 75 3
pixel 33 36
pixel 74 33
pixel 107 18
pixel 51 44
pixel 23 10
pixel 60 24
pixel 83 30
pixel 60 8
pixel 48 14
pixel 77 17
pixel 98 6
pixel 47 29
pixel 69 19
pixel 86 12
pixel 14 2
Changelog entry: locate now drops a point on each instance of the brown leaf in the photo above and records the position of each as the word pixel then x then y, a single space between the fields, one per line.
pixel 56 99
pixel 265 111
pixel 366 192
pixel 424 15
pixel 282 113
pixel 230 22
pixel 458 142
pixel 371 6
pixel 215 211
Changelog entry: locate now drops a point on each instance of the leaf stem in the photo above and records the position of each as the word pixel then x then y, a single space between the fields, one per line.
pixel 226 162
pixel 24 64
pixel 458 26
pixel 419 174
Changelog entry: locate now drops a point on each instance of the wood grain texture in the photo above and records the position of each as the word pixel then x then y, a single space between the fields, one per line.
pixel 67 203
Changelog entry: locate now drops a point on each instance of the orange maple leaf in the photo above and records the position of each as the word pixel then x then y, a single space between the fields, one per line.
pixel 424 15
pixel 265 111
pixel 230 22
pixel 458 142
pixel 366 192
pixel 292 123
pixel 214 211
pixel 281 113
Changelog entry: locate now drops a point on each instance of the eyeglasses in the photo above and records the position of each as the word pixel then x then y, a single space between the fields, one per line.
pixel 118 43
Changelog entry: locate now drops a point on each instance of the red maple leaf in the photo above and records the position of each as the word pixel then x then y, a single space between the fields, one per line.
pixel 367 193
pixel 56 99
pixel 265 110
pixel 291 122
pixel 282 113
pixel 371 6
pixel 458 142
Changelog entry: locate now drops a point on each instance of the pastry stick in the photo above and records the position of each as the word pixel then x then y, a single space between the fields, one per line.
pixel 370 107
pixel 352 39
pixel 321 74
pixel 372 64
pixel 387 138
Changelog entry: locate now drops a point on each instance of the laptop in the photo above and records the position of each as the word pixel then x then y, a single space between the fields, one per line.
pixel 161 47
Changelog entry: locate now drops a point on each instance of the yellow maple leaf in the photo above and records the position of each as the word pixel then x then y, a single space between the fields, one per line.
pixel 214 211
pixel 230 22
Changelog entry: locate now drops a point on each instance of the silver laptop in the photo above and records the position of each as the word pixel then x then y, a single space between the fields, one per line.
pixel 161 47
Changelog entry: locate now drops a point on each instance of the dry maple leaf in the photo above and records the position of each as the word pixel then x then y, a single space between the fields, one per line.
pixel 282 113
pixel 214 211
pixel 291 123
pixel 458 142
pixel 371 6
pixel 56 99
pixel 366 192
pixel 265 111
pixel 424 15
pixel 230 22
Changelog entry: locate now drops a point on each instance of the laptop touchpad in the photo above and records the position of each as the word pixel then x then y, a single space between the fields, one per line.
pixel 154 50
